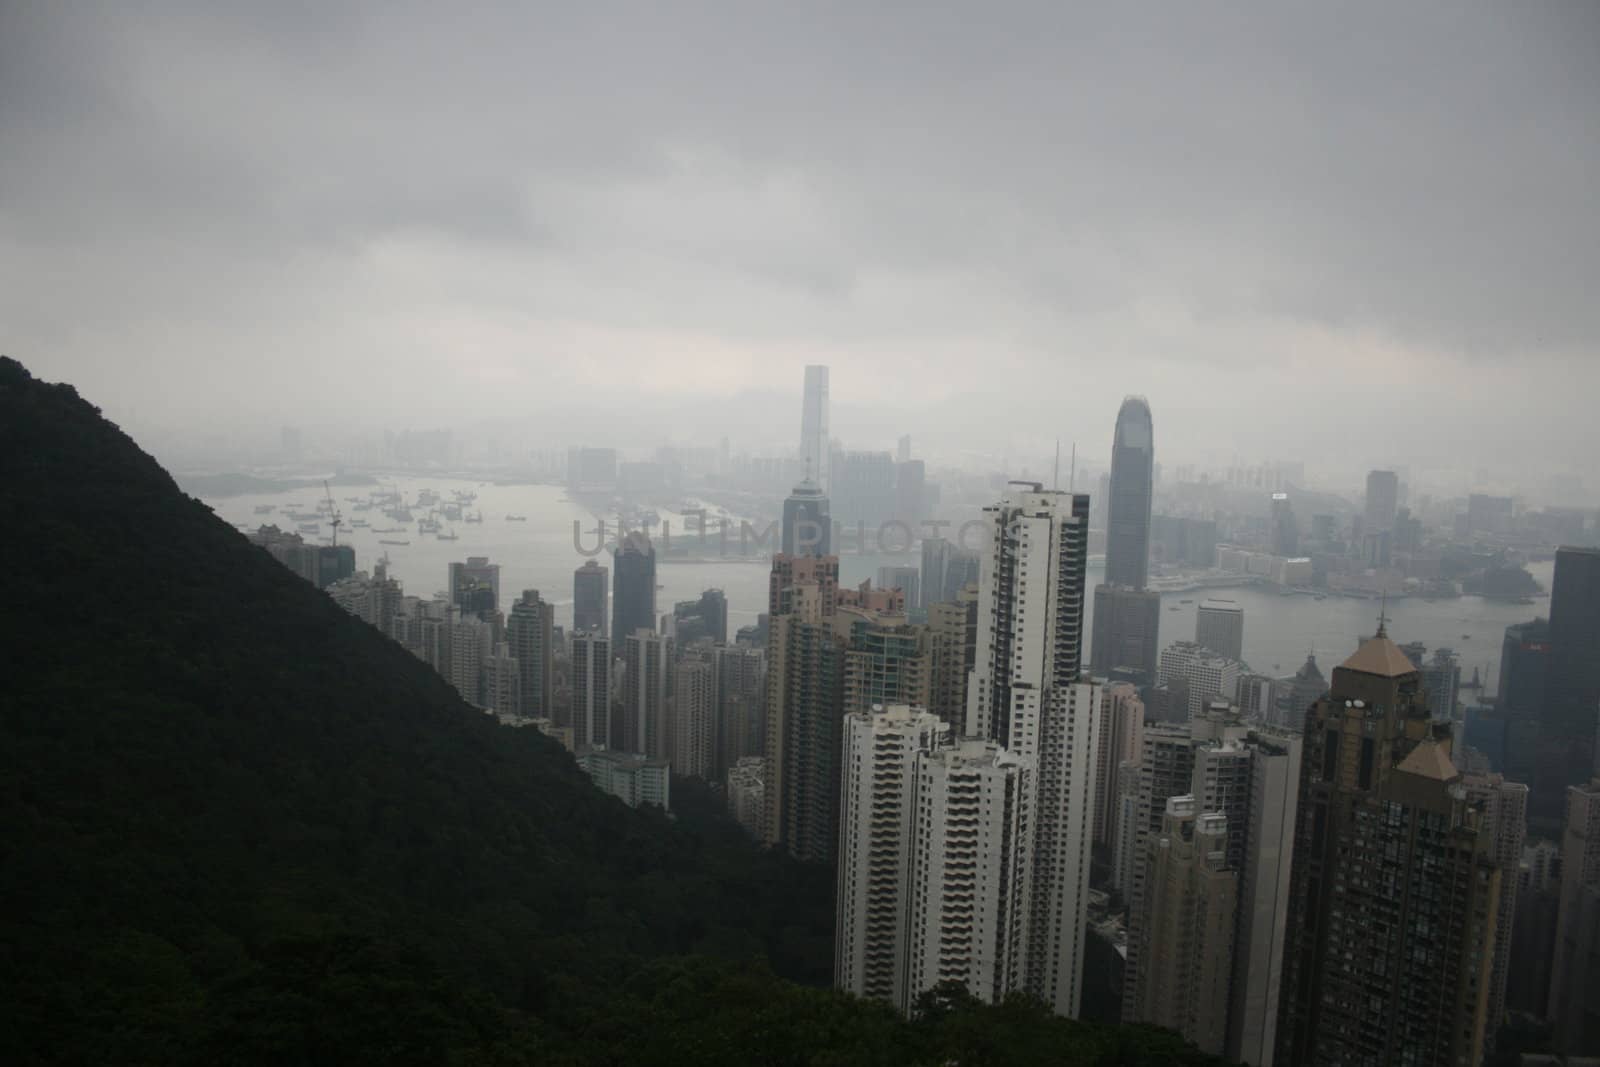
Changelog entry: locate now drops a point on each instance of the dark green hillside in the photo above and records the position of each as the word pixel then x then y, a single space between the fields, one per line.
pixel 241 826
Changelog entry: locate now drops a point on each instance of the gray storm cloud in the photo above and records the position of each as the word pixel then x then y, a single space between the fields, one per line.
pixel 1287 227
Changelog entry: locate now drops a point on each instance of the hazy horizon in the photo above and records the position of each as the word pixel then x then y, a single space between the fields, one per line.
pixel 623 225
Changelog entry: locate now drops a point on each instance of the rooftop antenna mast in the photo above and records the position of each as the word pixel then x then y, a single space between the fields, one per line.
pixel 1055 472
pixel 1072 485
pixel 334 518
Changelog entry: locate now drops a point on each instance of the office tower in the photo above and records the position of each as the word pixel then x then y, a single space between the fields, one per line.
pixel 876 834
pixel 1264 897
pixel 530 631
pixel 1027 693
pixel 1383 498
pixel 1219 626
pixel 953 635
pixel 1572 710
pixel 1394 885
pixel 740 703
pixel 1283 531
pixel 477 569
pixel 1187 927
pixel 705 619
pixel 904 578
pixel 590 589
pixel 814 427
pixel 632 779
pixel 804 705
pixel 1183 542
pixel 1209 674
pixel 746 795
pixel 1121 741
pixel 647 686
pixel 807 523
pixel 971 871
pixel 1505 819
pixel 633 602
pixel 1127 624
pixel 475 597
pixel 910 487
pixel 1305 688
pixel 1128 518
pixel 502 682
pixel 693 733
pixel 591 691
pixel 861 491
pixel 471 641
pixel 902 448
pixel 1574 1007
pixel 1524 668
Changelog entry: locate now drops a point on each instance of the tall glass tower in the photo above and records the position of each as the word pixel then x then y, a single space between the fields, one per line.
pixel 814 426
pixel 1128 522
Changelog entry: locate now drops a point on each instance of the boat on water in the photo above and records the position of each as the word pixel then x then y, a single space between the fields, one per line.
pixel 451 536
pixel 394 542
pixel 1189 601
pixel 476 517
pixel 516 518
pixel 309 527
pixel 358 522
pixel 427 498
pixel 265 509
pixel 1173 608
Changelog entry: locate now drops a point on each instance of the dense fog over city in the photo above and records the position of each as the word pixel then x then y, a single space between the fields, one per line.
pixel 1356 237
pixel 827 533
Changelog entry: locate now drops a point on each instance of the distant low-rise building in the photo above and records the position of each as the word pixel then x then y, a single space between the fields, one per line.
pixel 634 780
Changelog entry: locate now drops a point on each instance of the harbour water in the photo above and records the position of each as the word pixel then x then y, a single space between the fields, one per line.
pixel 540 553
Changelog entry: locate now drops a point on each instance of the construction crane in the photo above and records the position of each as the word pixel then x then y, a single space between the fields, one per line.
pixel 334 519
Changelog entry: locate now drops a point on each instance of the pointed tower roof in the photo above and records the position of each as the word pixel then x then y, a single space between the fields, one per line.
pixel 1381 656
pixel 1309 669
pixel 1429 760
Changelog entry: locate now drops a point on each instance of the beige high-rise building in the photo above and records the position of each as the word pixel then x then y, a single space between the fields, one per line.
pixel 1574 1005
pixel 591 690
pixel 1505 814
pixel 1187 931
pixel 1121 740
pixel 952 631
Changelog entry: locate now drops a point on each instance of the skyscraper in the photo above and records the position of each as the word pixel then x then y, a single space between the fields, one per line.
pixel 876 821
pixel 1127 620
pixel 590 588
pixel 1128 520
pixel 1209 674
pixel 702 619
pixel 591 691
pixel 530 631
pixel 1127 630
pixel 1187 927
pixel 805 694
pixel 807 525
pixel 1285 531
pixel 1219 626
pixel 1028 694
pixel 1572 710
pixel 1505 819
pixel 1121 741
pixel 952 630
pixel 814 427
pixel 1574 1008
pixel 647 687
pixel 1383 499
pixel 693 733
pixel 475 569
pixel 634 603
pixel 1394 887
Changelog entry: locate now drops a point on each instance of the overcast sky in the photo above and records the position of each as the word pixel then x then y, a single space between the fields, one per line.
pixel 1322 231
